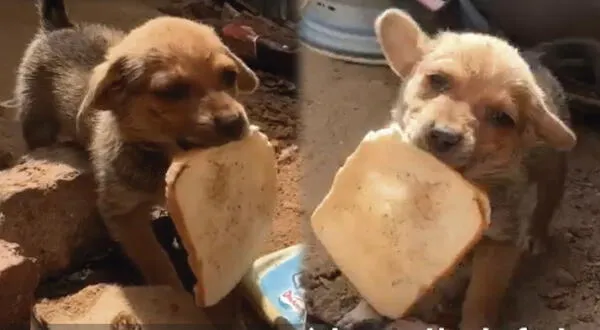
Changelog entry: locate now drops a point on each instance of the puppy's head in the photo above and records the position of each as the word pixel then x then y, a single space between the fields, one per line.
pixel 172 81
pixel 469 99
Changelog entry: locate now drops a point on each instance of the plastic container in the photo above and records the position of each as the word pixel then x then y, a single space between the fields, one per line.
pixel 274 289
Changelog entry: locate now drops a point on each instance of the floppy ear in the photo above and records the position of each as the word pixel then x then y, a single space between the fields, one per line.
pixel 547 125
pixel 107 87
pixel 247 80
pixel 401 39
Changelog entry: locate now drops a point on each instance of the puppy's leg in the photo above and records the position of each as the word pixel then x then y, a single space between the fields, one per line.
pixel 131 226
pixel 39 122
pixel 359 317
pixel 133 231
pixel 550 177
pixel 493 266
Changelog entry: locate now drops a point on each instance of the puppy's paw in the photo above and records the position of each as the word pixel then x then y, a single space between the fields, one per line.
pixel 363 316
pixel 351 323
pixel 533 244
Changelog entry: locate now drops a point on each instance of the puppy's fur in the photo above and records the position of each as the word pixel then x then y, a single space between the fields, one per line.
pixel 133 100
pixel 475 103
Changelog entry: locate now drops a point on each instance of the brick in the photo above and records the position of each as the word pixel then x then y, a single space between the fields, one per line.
pixel 19 277
pixel 48 207
pixel 111 305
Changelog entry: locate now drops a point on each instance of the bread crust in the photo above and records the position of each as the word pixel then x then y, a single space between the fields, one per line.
pixel 181 164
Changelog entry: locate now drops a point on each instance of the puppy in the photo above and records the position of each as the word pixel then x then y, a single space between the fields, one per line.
pixel 475 103
pixel 133 100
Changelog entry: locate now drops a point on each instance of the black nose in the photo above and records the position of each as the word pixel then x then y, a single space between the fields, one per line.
pixel 443 139
pixel 232 126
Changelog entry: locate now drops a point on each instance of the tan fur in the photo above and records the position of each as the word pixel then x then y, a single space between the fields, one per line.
pixel 133 100
pixel 474 102
pixel 162 52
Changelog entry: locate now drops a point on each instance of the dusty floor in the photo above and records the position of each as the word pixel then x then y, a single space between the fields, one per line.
pixel 561 288
pixel 273 107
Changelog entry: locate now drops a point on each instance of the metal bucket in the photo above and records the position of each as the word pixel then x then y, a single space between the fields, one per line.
pixel 343 29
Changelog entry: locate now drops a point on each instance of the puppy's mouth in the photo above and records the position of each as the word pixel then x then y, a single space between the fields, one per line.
pixel 189 143
pixel 456 159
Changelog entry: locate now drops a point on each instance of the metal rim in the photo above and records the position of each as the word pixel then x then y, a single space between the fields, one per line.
pixel 345 58
pixel 334 55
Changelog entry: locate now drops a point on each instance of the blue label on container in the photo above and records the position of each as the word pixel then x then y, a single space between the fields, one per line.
pixel 281 287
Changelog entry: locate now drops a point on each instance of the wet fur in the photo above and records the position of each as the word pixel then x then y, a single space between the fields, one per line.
pixel 520 159
pixel 133 100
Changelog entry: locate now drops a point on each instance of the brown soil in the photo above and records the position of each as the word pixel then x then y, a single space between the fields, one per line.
pixel 274 108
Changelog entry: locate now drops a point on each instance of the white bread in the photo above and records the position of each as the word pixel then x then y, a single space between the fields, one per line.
pixel 222 202
pixel 396 219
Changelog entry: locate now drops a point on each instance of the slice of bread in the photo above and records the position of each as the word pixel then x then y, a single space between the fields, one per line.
pixel 396 219
pixel 222 201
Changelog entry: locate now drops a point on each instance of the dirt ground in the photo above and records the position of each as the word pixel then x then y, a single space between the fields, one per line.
pixel 561 288
pixel 273 107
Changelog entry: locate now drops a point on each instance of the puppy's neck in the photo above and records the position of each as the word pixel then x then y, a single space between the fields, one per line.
pixel 491 180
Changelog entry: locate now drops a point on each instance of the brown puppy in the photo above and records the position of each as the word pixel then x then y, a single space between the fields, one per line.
pixel 133 100
pixel 475 103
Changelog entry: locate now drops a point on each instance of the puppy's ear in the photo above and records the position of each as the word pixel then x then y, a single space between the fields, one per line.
pixel 402 40
pixel 547 125
pixel 107 85
pixel 247 80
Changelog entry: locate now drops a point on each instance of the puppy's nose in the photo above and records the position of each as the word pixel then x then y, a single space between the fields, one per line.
pixel 443 139
pixel 231 126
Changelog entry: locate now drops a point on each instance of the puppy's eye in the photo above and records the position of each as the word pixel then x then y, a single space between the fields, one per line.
pixel 500 118
pixel 229 77
pixel 438 82
pixel 174 92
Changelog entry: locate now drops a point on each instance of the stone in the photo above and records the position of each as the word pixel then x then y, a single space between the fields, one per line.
pixel 133 307
pixel 48 207
pixel 19 277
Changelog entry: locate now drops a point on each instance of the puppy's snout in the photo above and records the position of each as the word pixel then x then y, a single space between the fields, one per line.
pixel 442 139
pixel 231 126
